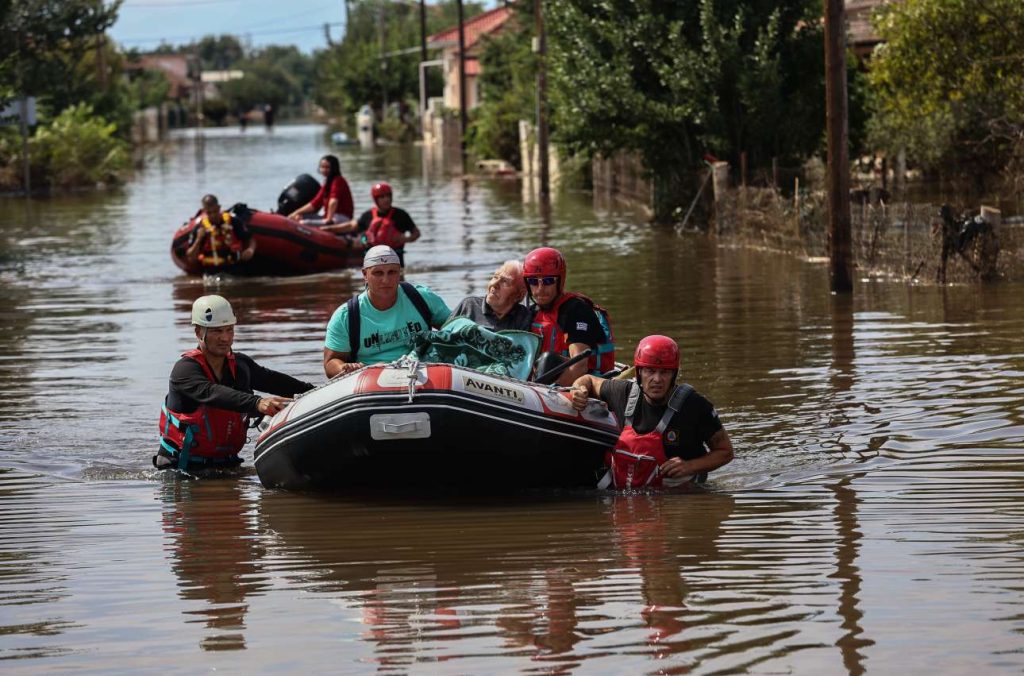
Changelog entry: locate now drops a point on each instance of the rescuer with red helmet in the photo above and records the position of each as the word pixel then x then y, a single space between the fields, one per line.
pixel 383 225
pixel 567 323
pixel 671 433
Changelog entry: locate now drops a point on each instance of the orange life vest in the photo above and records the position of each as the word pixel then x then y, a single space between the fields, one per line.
pixel 554 339
pixel 383 230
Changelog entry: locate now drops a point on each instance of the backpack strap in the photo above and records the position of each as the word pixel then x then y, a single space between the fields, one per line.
pixel 675 402
pixel 418 301
pixel 353 326
pixel 634 397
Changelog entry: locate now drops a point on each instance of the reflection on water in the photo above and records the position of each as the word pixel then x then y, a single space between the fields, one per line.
pixel 870 521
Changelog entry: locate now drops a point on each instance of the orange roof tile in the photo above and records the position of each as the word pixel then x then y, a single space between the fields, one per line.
pixel 475 28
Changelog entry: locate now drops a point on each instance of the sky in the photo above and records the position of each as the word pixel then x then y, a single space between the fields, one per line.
pixel 144 24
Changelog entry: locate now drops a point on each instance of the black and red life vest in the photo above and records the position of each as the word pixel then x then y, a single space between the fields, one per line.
pixel 208 435
pixel 383 230
pixel 554 339
pixel 637 458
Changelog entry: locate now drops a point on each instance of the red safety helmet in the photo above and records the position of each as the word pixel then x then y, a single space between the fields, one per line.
pixel 657 352
pixel 544 262
pixel 380 189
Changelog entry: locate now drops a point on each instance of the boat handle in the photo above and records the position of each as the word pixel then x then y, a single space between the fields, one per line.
pixel 396 428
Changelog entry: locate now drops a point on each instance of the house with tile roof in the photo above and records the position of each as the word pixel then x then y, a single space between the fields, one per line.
pixel 475 29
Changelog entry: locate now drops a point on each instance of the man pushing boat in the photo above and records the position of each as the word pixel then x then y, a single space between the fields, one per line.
pixel 203 419
pixel 671 432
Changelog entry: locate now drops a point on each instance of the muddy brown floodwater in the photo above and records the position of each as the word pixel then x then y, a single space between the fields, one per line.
pixel 872 519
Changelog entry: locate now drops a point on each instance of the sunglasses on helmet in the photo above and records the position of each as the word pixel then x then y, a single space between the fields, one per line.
pixel 546 281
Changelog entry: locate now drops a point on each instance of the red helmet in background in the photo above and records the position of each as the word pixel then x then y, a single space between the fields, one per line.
pixel 657 352
pixel 544 262
pixel 380 189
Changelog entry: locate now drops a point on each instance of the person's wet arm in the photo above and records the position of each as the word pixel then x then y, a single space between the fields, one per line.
pixel 337 363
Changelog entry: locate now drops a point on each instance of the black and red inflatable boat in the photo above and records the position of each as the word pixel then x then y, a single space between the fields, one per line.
pixel 413 424
pixel 283 247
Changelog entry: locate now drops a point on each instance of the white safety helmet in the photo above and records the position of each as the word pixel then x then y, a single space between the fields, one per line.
pixel 212 312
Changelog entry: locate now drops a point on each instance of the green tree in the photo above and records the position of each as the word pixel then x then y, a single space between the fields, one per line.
pixel 40 38
pixel 218 52
pixel 377 60
pixel 673 80
pixel 507 90
pixel 949 83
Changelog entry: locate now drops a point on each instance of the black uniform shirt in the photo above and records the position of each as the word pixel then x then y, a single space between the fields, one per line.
pixel 687 433
pixel 189 386
pixel 579 322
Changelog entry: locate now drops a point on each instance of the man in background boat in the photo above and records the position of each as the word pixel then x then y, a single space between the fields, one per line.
pixel 671 433
pixel 567 322
pixel 219 239
pixel 203 419
pixel 384 224
pixel 377 325
pixel 502 308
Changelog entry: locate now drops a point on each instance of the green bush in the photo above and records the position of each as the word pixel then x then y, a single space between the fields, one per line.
pixel 78 149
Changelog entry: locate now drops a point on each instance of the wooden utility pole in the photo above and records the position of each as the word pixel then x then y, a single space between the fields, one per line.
pixel 840 247
pixel 544 191
pixel 423 30
pixel 462 88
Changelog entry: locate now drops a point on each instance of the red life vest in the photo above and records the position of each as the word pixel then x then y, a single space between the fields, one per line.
pixel 383 230
pixel 221 246
pixel 207 434
pixel 554 339
pixel 637 458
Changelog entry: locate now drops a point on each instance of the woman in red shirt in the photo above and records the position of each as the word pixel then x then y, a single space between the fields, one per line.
pixel 334 197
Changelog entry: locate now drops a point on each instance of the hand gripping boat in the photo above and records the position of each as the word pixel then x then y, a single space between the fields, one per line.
pixel 283 247
pixel 427 424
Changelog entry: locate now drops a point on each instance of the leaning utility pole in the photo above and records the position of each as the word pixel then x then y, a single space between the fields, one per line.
pixel 462 87
pixel 840 264
pixel 544 191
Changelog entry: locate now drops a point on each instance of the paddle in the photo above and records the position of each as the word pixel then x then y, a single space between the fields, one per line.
pixel 552 374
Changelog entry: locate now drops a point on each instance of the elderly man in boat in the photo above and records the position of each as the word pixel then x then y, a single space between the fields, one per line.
pixel 501 309
pixel 671 433
pixel 203 419
pixel 377 325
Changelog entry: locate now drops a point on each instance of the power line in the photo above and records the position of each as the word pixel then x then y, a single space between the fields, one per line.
pixel 164 4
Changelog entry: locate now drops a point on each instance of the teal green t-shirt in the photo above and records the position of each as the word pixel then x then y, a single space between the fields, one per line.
pixel 384 335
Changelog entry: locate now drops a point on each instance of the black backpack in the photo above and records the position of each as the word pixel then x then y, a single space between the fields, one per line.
pixel 353 315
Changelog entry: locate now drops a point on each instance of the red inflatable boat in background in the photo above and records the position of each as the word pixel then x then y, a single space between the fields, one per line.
pixel 283 247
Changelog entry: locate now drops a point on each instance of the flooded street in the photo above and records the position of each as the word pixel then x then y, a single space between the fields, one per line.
pixel 872 518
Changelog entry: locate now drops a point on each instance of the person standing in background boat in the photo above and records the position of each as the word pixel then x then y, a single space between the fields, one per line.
pixel 566 322
pixel 671 433
pixel 219 240
pixel 377 325
pixel 384 224
pixel 335 198
pixel 502 308
pixel 203 419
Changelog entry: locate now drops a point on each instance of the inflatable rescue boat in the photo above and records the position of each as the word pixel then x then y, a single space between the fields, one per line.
pixel 283 247
pixel 431 424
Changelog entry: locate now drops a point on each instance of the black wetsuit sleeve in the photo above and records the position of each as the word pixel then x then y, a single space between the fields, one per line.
pixel 615 393
pixel 403 221
pixel 580 324
pixel 188 382
pixel 275 382
pixel 365 220
pixel 704 415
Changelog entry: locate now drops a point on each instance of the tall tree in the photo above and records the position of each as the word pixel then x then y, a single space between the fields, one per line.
pixel 673 80
pixel 949 83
